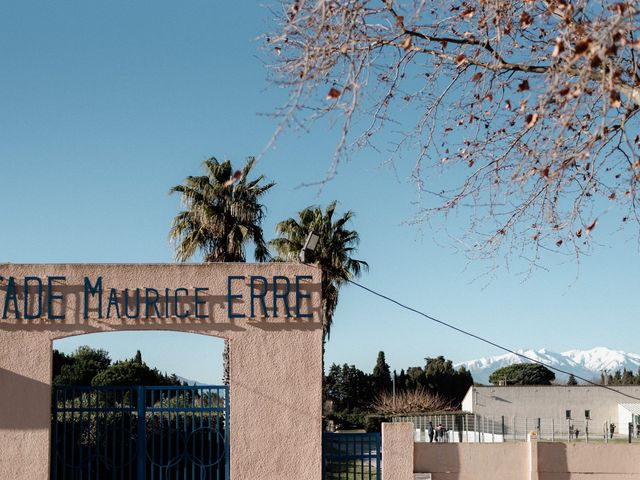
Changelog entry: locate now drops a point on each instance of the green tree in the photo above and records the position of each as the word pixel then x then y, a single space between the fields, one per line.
pixel 415 378
pixel 444 380
pixel 223 214
pixel 349 390
pixel 381 377
pixel 572 380
pixel 523 374
pixel 81 366
pixel 132 372
pixel 333 253
pixel 347 387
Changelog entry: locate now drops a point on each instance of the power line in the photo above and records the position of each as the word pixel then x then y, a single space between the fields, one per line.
pixel 485 340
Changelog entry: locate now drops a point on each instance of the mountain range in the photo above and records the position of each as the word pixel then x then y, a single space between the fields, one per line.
pixel 582 363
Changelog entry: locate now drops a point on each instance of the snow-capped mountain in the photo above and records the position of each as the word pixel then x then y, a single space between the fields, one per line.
pixel 584 363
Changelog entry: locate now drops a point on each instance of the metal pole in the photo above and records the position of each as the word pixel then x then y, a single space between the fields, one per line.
pixel 394 387
pixel 493 429
pixel 141 450
pixel 553 430
pixel 586 430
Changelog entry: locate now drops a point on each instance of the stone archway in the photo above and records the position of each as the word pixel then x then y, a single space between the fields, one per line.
pixel 270 313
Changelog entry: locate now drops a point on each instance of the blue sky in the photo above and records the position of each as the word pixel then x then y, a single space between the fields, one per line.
pixel 106 105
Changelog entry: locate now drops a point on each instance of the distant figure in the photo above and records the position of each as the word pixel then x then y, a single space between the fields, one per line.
pixel 638 430
pixel 430 432
pixel 577 432
pixel 440 432
pixel 612 428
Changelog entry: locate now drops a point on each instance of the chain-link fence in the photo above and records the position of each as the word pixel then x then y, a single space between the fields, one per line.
pixel 496 429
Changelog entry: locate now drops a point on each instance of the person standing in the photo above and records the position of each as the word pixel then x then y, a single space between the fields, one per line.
pixel 430 432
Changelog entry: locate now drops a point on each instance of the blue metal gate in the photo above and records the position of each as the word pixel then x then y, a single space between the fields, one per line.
pixel 351 456
pixel 140 433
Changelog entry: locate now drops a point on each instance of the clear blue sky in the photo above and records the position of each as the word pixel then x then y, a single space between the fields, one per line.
pixel 105 105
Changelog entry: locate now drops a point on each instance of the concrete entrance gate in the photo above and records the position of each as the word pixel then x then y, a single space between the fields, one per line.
pixel 269 312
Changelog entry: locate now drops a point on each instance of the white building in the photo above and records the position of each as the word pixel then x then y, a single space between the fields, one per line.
pixel 557 409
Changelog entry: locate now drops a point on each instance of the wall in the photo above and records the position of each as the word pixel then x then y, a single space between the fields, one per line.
pixel 469 461
pixel 511 461
pixel 575 461
pixel 275 364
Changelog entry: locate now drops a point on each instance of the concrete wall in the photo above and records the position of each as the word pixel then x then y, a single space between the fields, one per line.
pixel 275 366
pixel 510 461
pixel 472 461
pixel 573 461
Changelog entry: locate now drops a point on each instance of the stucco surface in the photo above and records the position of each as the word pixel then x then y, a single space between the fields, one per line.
pixel 593 460
pixel 275 367
pixel 397 454
pixel 513 461
pixel 473 460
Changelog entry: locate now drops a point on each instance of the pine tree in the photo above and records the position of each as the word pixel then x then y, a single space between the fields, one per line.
pixel 381 377
pixel 572 380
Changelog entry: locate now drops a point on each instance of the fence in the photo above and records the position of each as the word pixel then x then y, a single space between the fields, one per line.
pixel 351 456
pixel 136 432
pixel 493 429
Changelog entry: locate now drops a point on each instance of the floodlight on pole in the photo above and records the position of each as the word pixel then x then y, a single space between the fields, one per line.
pixel 309 247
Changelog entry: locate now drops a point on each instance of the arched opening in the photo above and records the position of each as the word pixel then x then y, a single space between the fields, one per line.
pixel 139 404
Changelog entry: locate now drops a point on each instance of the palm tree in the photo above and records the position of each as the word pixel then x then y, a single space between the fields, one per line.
pixel 223 214
pixel 332 254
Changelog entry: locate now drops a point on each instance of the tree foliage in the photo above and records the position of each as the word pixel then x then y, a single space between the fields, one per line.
pixel 523 374
pixel 348 387
pixel 89 366
pixel 80 367
pixel 438 377
pixel 620 377
pixel 223 214
pixel 333 253
pixel 381 376
pixel 572 381
pixel 530 108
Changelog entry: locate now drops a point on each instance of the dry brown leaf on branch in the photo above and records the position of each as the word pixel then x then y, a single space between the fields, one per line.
pixel 592 226
pixel 333 93
pixel 559 47
pixel 526 20
pixel 467 14
pixel 476 77
pixel 531 119
pixel 582 47
pixel 406 43
pixel 614 98
pixel 524 85
pixel 236 177
pixel 579 233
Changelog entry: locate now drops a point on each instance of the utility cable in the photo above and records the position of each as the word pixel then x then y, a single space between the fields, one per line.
pixel 494 344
